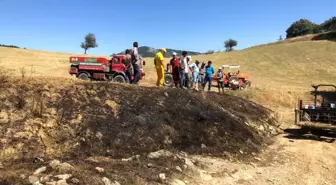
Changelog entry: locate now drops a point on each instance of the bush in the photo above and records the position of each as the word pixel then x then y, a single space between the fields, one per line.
pixel 302 27
pixel 8 46
pixel 210 52
pixel 329 25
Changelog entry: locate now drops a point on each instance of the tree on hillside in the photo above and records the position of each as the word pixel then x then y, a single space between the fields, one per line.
pixel 329 25
pixel 229 44
pixel 280 38
pixel 90 42
pixel 302 27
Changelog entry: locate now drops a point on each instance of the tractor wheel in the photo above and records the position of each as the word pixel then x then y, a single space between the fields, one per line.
pixel 303 130
pixel 234 83
pixel 83 76
pixel 119 79
pixel 243 86
pixel 168 80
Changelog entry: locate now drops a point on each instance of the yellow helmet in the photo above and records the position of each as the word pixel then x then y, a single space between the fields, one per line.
pixel 164 50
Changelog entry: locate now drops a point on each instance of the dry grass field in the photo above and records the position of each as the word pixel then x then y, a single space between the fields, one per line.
pixel 286 66
pixel 280 71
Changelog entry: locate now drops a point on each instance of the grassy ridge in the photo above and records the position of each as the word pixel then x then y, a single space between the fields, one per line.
pixel 287 65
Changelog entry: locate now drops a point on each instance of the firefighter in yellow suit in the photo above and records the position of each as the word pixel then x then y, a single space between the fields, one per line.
pixel 160 66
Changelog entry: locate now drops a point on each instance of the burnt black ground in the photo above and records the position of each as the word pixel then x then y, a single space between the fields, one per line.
pixel 77 120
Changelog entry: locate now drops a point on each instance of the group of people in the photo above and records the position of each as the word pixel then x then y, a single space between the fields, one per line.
pixel 180 67
pixel 132 62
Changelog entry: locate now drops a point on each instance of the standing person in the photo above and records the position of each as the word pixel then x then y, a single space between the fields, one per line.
pixel 186 72
pixel 195 71
pixel 175 65
pixel 183 70
pixel 209 71
pixel 128 65
pixel 136 63
pixel 202 73
pixel 220 80
pixel 159 58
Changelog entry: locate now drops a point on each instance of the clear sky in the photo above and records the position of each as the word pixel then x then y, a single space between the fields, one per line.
pixel 198 25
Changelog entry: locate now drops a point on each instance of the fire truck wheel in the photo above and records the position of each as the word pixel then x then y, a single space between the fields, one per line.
pixel 119 79
pixel 83 76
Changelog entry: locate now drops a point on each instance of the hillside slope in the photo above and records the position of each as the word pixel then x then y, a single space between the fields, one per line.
pixel 284 65
pixel 287 65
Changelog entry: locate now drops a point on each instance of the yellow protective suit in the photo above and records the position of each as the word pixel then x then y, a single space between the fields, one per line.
pixel 159 68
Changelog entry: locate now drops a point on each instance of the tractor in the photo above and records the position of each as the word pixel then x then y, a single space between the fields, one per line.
pixel 233 79
pixel 91 68
pixel 317 114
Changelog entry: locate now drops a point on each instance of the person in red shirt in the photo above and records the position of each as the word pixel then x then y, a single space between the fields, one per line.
pixel 175 66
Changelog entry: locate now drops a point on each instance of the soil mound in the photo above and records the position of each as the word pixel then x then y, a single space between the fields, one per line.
pixel 53 118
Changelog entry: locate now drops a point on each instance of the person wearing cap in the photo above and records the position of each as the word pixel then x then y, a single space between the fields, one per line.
pixel 159 58
pixel 209 71
pixel 168 69
pixel 184 70
pixel 175 66
pixel 195 71
pixel 136 63
pixel 220 80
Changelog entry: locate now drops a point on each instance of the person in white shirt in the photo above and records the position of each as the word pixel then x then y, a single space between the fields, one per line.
pixel 136 63
pixel 195 71
pixel 184 70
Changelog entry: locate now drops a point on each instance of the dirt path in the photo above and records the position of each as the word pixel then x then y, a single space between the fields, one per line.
pixel 291 160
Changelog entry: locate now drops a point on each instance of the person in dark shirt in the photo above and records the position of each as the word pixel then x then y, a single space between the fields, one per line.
pixel 128 65
pixel 220 80
pixel 175 66
pixel 201 75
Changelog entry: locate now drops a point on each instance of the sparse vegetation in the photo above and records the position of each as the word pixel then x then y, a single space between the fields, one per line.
pixel 23 72
pixel 90 42
pixel 4 76
pixel 229 44
pixel 210 52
